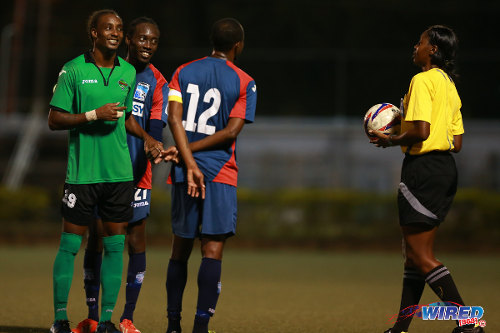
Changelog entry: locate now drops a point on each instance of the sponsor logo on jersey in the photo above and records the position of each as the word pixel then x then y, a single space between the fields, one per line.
pixel 141 91
pixel 254 88
pixel 89 81
pixel 122 84
pixel 137 109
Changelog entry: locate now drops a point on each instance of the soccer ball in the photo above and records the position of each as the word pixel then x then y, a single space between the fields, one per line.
pixel 384 117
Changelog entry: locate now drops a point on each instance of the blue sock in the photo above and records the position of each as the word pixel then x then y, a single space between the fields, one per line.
pixel 208 292
pixel 92 281
pixel 176 282
pixel 135 276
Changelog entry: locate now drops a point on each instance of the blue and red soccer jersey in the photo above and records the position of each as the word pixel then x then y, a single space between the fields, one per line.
pixel 150 102
pixel 212 90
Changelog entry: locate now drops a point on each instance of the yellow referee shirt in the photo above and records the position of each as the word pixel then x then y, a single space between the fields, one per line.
pixel 433 97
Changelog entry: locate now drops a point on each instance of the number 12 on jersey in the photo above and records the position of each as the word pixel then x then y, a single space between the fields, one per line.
pixel 212 95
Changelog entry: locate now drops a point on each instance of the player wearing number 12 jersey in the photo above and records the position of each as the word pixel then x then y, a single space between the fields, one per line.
pixel 210 100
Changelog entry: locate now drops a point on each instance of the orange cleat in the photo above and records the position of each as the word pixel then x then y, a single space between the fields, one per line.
pixel 86 326
pixel 126 326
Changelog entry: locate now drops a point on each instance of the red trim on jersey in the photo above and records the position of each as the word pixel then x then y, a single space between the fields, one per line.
pixel 174 83
pixel 145 181
pixel 240 107
pixel 156 108
pixel 154 113
pixel 228 174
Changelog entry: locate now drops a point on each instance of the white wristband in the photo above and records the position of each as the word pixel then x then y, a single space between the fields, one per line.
pixel 91 115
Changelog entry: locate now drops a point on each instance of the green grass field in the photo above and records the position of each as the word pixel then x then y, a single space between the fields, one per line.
pixel 262 291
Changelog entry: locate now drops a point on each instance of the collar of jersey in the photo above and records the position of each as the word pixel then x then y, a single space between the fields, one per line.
pixel 89 58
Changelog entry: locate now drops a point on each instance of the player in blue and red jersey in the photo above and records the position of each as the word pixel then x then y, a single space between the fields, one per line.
pixel 210 100
pixel 149 109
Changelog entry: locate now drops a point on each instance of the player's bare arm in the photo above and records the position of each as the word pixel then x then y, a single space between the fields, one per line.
pixel 457 143
pixel 195 178
pixel 220 139
pixel 59 120
pixel 418 132
pixel 152 148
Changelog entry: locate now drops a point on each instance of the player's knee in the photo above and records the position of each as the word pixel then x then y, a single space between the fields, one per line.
pixel 419 261
pixel 412 258
pixel 213 252
pixel 136 246
pixel 180 255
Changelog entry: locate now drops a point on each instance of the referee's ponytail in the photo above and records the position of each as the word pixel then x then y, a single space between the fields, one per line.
pixel 447 45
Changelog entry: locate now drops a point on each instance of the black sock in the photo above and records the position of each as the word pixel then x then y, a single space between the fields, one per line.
pixel 208 293
pixel 135 276
pixel 201 323
pixel 176 282
pixel 413 287
pixel 92 281
pixel 441 282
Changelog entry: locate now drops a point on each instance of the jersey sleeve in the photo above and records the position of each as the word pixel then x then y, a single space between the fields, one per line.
pixel 64 91
pixel 174 93
pixel 160 99
pixel 420 100
pixel 247 102
pixel 130 98
pixel 457 125
pixel 164 92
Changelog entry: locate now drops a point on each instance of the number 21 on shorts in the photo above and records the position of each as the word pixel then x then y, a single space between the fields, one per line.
pixel 137 196
pixel 189 124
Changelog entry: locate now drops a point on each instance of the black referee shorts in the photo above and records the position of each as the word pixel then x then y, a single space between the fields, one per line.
pixel 428 186
pixel 111 201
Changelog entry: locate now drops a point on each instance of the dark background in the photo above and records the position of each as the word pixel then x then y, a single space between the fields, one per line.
pixel 309 58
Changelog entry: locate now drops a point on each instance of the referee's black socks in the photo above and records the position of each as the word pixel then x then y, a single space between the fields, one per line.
pixel 413 286
pixel 441 282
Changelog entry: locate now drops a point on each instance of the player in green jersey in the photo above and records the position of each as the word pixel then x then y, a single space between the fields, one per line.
pixel 93 100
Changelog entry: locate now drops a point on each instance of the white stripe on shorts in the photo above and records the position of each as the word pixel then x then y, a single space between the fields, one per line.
pixel 415 203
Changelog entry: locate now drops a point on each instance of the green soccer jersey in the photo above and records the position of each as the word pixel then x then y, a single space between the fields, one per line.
pixel 98 150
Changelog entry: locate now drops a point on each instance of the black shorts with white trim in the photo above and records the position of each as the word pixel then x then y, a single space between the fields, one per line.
pixel 428 186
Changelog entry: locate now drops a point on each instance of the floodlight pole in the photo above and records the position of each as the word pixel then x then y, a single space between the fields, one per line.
pixel 23 153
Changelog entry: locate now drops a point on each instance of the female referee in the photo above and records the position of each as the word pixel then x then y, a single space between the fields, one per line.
pixel 431 128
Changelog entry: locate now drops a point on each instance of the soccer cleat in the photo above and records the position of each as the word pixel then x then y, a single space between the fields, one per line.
pixel 174 325
pixel 86 326
pixel 126 326
pixel 390 330
pixel 107 327
pixel 461 329
pixel 60 326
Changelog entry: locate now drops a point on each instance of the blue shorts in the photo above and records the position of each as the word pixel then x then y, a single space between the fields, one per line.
pixel 194 217
pixel 141 204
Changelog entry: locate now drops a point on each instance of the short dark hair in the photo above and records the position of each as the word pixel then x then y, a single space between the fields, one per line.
pixel 447 43
pixel 94 18
pixel 135 22
pixel 225 33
